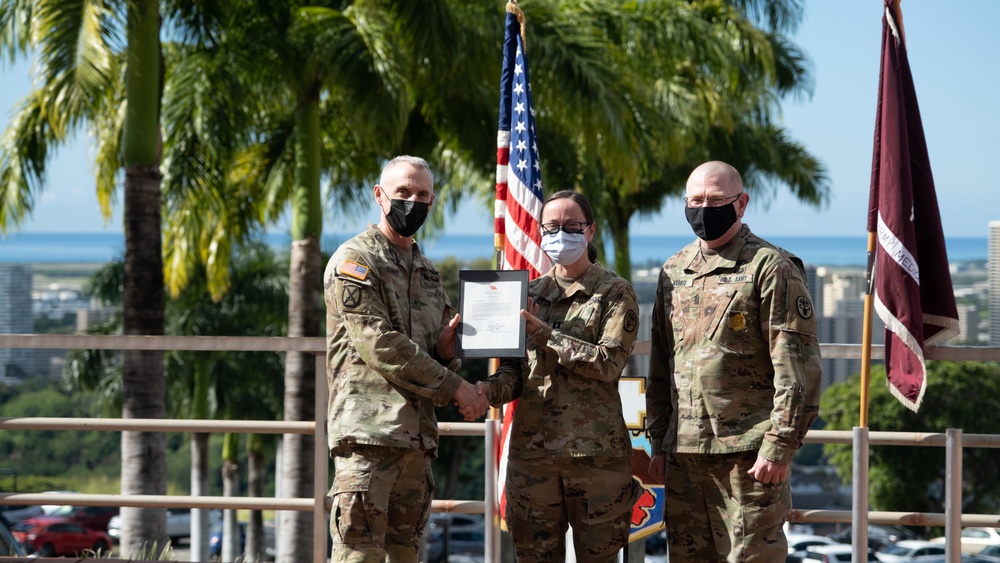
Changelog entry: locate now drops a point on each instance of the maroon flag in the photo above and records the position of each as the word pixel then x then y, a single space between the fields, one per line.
pixel 913 292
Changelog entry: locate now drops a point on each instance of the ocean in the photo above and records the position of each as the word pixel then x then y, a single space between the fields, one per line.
pixel 647 250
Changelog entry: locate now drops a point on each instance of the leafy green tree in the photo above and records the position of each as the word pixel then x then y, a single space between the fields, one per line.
pixel 959 395
pixel 50 452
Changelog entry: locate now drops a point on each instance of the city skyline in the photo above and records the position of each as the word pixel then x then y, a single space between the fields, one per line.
pixel 950 51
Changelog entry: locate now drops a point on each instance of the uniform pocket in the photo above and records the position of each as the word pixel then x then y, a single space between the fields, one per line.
pixel 609 506
pixel 734 325
pixel 351 506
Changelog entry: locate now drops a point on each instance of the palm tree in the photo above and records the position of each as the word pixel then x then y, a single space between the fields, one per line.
pixel 100 64
pixel 325 96
pixel 700 82
pixel 204 385
pixel 230 385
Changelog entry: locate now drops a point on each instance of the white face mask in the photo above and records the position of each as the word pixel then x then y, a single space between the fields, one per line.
pixel 564 248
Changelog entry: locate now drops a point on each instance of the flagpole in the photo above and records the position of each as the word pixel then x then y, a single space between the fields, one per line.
pixel 859 439
pixel 866 333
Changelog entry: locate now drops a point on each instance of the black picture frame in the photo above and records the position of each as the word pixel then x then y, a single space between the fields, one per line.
pixel 503 315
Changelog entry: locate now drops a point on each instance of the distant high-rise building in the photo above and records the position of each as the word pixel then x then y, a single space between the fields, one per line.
pixel 843 290
pixel 968 325
pixel 993 260
pixel 15 318
pixel 815 284
pixel 845 329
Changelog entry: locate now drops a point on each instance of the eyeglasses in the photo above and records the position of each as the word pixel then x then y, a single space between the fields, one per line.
pixel 714 201
pixel 570 227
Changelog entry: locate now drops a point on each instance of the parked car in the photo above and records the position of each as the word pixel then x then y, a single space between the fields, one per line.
pixel 11 514
pixel 178 524
pixel 54 535
pixel 833 553
pixel 451 535
pixel 911 550
pixel 445 543
pixel 48 509
pixel 975 539
pixel 798 543
pixel 989 554
pixel 656 544
pixel 93 517
pixel 215 541
pixel 9 547
pixel 880 536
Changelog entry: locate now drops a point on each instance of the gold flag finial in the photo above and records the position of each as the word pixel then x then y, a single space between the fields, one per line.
pixel 513 8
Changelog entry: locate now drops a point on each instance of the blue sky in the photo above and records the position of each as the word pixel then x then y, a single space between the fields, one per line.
pixel 953 52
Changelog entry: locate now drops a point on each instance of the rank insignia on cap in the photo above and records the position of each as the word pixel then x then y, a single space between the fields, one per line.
pixel 355 270
pixel 738 321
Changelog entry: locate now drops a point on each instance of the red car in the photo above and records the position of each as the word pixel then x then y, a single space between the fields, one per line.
pixel 50 535
pixel 93 517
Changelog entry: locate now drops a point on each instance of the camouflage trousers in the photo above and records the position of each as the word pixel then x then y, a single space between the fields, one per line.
pixel 593 494
pixel 381 502
pixel 716 512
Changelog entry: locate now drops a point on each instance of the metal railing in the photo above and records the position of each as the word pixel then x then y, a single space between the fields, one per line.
pixel 319 504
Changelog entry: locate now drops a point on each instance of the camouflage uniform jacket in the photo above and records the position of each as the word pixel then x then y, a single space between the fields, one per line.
pixel 382 327
pixel 568 383
pixel 734 360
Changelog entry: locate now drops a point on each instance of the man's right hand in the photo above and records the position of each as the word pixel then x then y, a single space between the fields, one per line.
pixel 470 402
pixel 657 468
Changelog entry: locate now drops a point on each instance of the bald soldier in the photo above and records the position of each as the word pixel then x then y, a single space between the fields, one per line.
pixel 390 361
pixel 734 380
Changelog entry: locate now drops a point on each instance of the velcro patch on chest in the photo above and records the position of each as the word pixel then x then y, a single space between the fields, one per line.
pixel 354 270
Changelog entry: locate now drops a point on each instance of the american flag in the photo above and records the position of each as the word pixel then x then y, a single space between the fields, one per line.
pixel 519 199
pixel 913 291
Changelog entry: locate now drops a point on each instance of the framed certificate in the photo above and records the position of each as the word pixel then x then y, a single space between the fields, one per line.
pixel 490 302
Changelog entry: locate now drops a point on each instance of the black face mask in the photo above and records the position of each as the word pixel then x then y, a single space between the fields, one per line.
pixel 405 215
pixel 710 223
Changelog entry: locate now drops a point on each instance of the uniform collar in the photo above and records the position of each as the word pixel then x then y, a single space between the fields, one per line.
pixel 586 284
pixel 387 248
pixel 724 258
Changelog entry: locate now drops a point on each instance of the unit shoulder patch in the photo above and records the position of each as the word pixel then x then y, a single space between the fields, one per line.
pixel 804 307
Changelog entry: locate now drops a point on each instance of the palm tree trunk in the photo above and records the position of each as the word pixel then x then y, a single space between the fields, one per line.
pixel 618 219
pixel 199 487
pixel 255 488
pixel 199 459
pixel 230 488
pixel 143 387
pixel 305 279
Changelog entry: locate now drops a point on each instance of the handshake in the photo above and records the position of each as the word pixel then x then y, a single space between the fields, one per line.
pixel 471 400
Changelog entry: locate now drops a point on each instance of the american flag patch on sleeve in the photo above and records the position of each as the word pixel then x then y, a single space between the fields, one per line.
pixel 355 270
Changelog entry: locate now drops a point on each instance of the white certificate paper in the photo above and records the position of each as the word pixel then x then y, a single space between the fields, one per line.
pixel 490 303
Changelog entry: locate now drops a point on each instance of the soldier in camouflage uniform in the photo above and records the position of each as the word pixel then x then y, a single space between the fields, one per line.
pixel 390 361
pixel 569 457
pixel 734 380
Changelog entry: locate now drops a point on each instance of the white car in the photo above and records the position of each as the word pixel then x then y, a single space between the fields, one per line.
pixel 975 539
pixel 911 550
pixel 178 524
pixel 798 543
pixel 832 553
